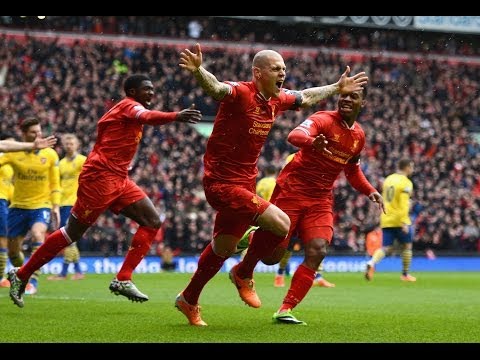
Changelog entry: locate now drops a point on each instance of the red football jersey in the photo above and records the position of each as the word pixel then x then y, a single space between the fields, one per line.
pixel 241 127
pixel 312 173
pixel 119 132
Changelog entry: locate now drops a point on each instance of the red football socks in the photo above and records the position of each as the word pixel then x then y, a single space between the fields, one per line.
pixel 141 242
pixel 302 281
pixel 55 242
pixel 208 265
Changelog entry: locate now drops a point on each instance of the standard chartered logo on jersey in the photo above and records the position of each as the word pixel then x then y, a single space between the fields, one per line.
pixel 260 128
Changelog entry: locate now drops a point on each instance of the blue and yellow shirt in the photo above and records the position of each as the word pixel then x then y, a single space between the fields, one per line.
pixel 36 177
pixel 397 190
pixel 69 172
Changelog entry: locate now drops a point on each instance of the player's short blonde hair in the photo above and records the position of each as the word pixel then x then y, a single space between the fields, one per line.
pixel 70 137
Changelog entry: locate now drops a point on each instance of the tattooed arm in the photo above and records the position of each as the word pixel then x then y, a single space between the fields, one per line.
pixel 344 85
pixel 210 84
pixel 192 61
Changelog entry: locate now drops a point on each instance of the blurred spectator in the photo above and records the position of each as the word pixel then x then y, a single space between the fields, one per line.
pixel 373 240
pixel 167 255
pixel 194 29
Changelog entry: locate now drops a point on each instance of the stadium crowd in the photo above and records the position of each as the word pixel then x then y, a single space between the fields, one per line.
pixel 241 31
pixel 422 109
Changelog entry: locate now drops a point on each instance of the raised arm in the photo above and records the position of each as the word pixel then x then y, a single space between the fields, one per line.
pixel 344 85
pixel 192 61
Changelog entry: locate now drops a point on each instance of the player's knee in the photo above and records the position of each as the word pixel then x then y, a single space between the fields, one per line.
pixel 316 249
pixel 275 221
pixel 223 249
pixel 283 225
pixel 275 257
pixel 317 255
pixel 38 235
pixel 269 260
pixel 153 222
pixel 322 250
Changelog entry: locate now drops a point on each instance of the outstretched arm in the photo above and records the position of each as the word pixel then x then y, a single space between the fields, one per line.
pixel 344 85
pixel 192 61
pixel 189 115
pixel 40 143
pixel 154 117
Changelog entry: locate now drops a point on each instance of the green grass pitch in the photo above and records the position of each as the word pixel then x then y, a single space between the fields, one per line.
pixel 438 308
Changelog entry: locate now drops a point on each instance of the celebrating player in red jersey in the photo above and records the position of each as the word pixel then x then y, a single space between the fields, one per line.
pixel 330 142
pixel 244 119
pixel 104 184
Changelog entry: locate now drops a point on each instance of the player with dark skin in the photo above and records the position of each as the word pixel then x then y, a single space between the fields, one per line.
pixel 104 184
pixel 143 211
